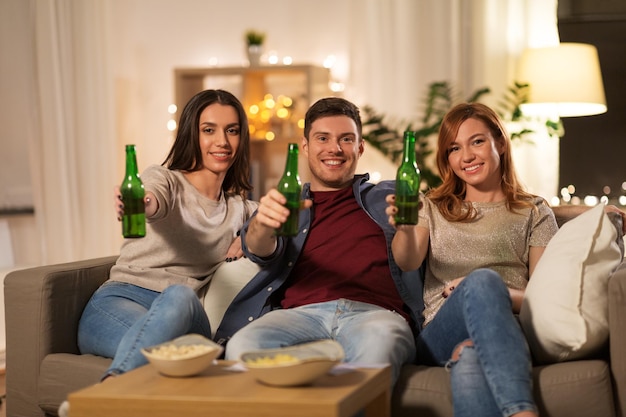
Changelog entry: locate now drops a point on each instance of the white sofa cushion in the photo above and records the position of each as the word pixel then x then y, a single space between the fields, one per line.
pixel 564 313
pixel 227 281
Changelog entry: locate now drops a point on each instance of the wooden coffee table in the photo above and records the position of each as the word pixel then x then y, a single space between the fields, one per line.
pixel 220 392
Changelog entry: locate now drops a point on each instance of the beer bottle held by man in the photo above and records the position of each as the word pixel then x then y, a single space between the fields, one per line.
pixel 291 187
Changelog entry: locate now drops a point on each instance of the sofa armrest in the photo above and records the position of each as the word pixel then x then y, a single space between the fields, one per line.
pixel 617 336
pixel 43 306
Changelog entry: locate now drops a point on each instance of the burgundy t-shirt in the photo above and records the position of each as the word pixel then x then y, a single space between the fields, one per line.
pixel 345 256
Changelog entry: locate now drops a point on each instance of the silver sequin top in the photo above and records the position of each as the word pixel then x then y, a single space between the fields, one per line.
pixel 497 239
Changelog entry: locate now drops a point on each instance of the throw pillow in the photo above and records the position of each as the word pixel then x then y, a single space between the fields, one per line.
pixel 564 313
pixel 227 281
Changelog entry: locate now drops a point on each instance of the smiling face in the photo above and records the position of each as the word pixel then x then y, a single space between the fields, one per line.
pixel 474 156
pixel 218 136
pixel 332 149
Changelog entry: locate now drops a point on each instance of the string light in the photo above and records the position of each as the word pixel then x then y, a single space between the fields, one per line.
pixel 568 197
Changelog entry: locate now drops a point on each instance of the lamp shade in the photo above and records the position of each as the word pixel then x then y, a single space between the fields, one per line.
pixel 564 80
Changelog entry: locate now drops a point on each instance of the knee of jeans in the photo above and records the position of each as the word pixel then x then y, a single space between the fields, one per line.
pixel 486 280
pixel 457 353
pixel 181 292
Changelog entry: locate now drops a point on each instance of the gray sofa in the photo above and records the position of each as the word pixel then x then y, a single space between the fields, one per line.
pixel 44 304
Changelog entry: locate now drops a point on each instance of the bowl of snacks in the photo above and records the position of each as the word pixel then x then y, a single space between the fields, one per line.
pixel 294 365
pixel 184 356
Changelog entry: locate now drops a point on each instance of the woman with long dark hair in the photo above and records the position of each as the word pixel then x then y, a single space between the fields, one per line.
pixel 195 205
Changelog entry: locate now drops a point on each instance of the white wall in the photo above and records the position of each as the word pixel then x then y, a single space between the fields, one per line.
pixel 15 79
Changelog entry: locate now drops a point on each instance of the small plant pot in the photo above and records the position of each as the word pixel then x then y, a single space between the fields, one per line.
pixel 254 55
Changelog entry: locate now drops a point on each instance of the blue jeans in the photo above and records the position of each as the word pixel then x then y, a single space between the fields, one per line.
pixel 494 376
pixel 368 334
pixel 122 318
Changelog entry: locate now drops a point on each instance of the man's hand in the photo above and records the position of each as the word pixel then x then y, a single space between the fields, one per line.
pixel 271 214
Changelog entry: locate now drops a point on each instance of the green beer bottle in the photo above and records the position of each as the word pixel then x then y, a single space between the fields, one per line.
pixel 134 219
pixel 291 187
pixel 407 183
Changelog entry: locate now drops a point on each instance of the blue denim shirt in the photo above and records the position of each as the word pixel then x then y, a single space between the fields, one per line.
pixel 254 299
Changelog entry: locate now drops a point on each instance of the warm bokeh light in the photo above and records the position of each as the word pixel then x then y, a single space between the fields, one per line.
pixel 172 108
pixel 266 115
pixel 273 117
pixel 285 101
pixel 375 177
pixel 336 87
pixel 555 201
pixel 171 125
pixel 269 102
pixel 329 61
pixel 272 59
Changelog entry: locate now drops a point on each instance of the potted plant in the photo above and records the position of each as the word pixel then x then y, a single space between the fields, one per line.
pixel 254 42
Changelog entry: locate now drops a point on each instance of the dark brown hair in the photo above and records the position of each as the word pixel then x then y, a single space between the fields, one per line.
pixel 332 106
pixel 186 155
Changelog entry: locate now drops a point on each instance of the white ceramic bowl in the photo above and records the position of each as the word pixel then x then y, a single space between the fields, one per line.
pixel 310 361
pixel 170 358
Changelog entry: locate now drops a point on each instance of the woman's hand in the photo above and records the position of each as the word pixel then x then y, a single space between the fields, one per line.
pixel 235 251
pixel 450 286
pixel 118 203
pixel 150 203
pixel 410 243
pixel 391 209
pixel 615 209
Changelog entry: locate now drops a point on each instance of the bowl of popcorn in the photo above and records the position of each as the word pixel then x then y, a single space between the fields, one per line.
pixel 294 365
pixel 184 356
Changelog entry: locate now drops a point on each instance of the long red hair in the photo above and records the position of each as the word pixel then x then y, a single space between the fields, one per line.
pixel 450 195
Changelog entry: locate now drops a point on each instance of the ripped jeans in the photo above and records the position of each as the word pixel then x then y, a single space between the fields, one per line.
pixel 494 376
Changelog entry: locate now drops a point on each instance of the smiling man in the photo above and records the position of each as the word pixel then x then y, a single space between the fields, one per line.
pixel 336 279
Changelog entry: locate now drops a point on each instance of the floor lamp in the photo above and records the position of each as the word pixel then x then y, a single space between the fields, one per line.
pixel 564 81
